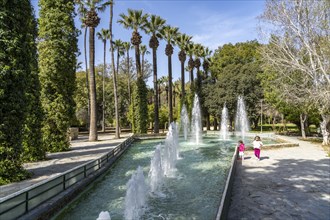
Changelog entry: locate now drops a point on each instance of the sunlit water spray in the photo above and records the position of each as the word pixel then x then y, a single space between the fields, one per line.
pixel 104 215
pixel 171 151
pixel 224 134
pixel 156 173
pixel 241 121
pixel 184 121
pixel 196 121
pixel 136 196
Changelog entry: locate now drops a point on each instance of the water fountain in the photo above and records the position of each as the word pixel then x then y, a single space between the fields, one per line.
pixel 171 153
pixel 136 196
pixel 196 121
pixel 184 121
pixel 104 216
pixel 224 134
pixel 241 121
pixel 194 192
pixel 189 188
pixel 156 173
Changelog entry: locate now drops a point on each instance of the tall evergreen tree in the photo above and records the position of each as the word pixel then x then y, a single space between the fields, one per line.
pixel 57 64
pixel 33 147
pixel 16 64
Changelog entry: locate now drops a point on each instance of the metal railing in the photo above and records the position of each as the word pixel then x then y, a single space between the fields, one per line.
pixel 20 203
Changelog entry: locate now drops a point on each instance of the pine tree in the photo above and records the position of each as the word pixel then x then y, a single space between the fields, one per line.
pixel 17 62
pixel 57 64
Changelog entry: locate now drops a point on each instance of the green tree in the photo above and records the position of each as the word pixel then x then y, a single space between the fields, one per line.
pixel 103 36
pixel 57 63
pixel 33 147
pixel 136 20
pixel 236 69
pixel 154 26
pixel 169 34
pixel 17 65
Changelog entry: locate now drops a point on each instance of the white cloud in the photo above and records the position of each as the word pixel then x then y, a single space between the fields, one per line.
pixel 214 29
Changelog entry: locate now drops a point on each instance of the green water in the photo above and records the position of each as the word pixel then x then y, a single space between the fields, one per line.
pixel 194 193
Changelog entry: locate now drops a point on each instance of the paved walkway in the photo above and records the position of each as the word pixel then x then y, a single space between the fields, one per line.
pixel 81 152
pixel 287 183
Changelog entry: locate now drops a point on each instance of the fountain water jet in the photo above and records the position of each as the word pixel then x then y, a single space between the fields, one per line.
pixel 224 134
pixel 241 120
pixel 184 121
pixel 104 216
pixel 171 153
pixel 156 173
pixel 136 196
pixel 196 121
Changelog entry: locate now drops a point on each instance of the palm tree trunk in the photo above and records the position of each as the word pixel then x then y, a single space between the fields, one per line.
pixel 117 134
pixel 170 89
pixel 118 57
pixel 86 70
pixel 156 107
pixel 129 79
pixel 142 66
pixel 182 83
pixel 159 98
pixel 92 86
pixel 103 86
pixel 137 61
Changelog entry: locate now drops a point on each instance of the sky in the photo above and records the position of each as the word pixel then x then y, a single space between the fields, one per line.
pixel 211 23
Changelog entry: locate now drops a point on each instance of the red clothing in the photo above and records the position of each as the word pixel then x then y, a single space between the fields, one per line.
pixel 241 147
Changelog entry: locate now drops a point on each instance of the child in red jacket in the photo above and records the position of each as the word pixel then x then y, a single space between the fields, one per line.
pixel 241 148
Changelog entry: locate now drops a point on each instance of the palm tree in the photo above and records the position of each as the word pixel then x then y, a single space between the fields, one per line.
pixel 182 41
pixel 162 81
pixel 154 26
pixel 169 34
pixel 103 35
pixel 82 12
pixel 127 46
pixel 136 20
pixel 92 21
pixel 198 52
pixel 206 60
pixel 190 50
pixel 115 89
pixel 119 47
pixel 144 51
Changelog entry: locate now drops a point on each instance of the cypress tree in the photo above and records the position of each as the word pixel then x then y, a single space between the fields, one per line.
pixel 140 104
pixel 16 61
pixel 57 65
pixel 33 148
